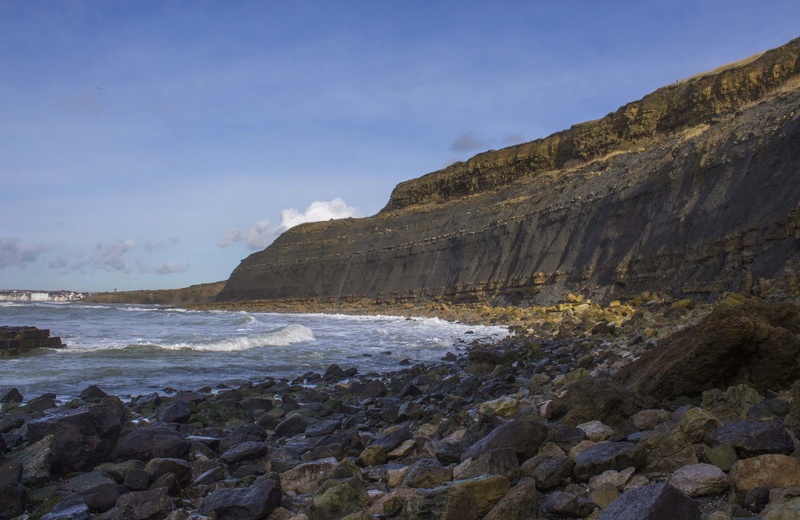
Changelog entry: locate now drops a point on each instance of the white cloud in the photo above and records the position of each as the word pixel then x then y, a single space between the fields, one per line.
pixel 261 234
pixel 109 257
pixel 14 254
pixel 316 212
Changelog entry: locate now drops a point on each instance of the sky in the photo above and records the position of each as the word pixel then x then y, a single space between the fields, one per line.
pixel 155 144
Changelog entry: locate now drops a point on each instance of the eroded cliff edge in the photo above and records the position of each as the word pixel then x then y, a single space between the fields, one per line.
pixel 691 190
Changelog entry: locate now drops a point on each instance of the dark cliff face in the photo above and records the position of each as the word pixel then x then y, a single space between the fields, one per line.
pixel 697 193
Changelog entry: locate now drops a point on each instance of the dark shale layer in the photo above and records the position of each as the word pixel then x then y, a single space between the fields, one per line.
pixel 692 190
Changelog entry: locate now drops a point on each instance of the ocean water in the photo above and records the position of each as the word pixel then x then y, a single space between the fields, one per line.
pixel 131 350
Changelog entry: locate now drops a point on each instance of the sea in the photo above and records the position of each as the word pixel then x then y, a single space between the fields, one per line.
pixel 132 350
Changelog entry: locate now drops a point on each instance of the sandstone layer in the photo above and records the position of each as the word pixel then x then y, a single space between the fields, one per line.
pixel 691 190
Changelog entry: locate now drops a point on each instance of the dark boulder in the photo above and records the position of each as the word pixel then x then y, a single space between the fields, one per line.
pixel 653 502
pixel 84 436
pixel 567 505
pixel 175 412
pixel 590 399
pixel 755 344
pixel 98 490
pixel 143 505
pixel 250 503
pixel 604 456
pixel 145 443
pixel 753 437
pixel 246 451
pixel 523 436
pixel 72 507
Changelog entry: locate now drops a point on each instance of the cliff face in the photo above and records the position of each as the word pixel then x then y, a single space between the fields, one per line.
pixel 692 189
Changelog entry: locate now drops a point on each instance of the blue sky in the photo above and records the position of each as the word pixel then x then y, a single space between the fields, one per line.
pixel 154 144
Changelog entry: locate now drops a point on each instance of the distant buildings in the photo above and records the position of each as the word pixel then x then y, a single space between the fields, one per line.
pixel 15 295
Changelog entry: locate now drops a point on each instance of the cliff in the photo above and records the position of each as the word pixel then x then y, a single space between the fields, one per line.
pixel 691 190
pixel 188 296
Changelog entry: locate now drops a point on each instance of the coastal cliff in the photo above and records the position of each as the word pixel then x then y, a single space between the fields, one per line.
pixel 691 190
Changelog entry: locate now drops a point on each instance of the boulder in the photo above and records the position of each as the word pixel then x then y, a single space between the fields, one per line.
pixel 83 436
pixel 467 499
pixel 306 478
pixel 175 412
pixel 652 502
pixel 700 479
pixel 780 471
pixel 245 451
pixel 667 451
pixel 338 498
pixel 36 461
pixel 596 431
pixel 591 399
pixel 159 467
pixel 746 344
pixel 696 423
pixel 143 505
pixel 649 419
pixel 12 492
pixel 568 505
pixel 752 437
pixel 523 436
pixel 502 461
pixel 552 472
pixel 608 455
pixel 519 503
pixel 732 403
pixel 72 507
pixel 147 442
pixel 247 503
pixel 98 490
pixel 428 473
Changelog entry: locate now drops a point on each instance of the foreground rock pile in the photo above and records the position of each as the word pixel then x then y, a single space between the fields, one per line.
pixel 534 427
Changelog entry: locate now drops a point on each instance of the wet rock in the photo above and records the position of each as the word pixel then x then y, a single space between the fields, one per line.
pixel 72 507
pixel 92 393
pixel 567 505
pixel 766 470
pixel 136 479
pixel 523 436
pixel 84 436
pixel 246 503
pixel 594 399
pixel 502 461
pixel 427 473
pixel 652 502
pixel 98 490
pixel 10 396
pixel 338 498
pixel 608 455
pixel 393 439
pixel 324 427
pixel 519 503
pixel 565 436
pixel 145 443
pixel 757 498
pixel 700 479
pixel 752 437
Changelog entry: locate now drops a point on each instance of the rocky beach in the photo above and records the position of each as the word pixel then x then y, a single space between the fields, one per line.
pixel 637 410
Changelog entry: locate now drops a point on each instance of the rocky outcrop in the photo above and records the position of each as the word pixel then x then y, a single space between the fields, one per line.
pixel 690 190
pixel 192 295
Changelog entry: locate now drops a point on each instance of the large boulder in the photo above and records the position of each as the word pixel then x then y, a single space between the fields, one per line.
pixel 752 437
pixel 756 344
pixel 653 502
pixel 83 436
pixel 523 436
pixel 781 471
pixel 459 500
pixel 148 442
pixel 604 456
pixel 594 399
pixel 249 503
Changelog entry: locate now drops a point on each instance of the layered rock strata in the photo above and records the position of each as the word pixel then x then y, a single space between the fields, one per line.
pixel 691 190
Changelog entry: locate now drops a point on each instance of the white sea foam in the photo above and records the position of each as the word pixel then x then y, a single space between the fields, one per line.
pixel 277 338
